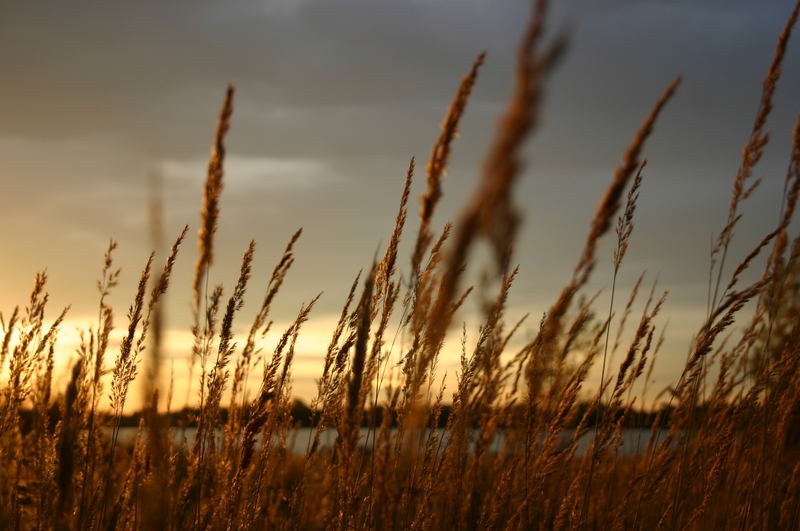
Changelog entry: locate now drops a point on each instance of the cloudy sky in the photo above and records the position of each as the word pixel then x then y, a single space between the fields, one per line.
pixel 332 100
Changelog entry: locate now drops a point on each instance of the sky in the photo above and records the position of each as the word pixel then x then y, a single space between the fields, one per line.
pixel 332 100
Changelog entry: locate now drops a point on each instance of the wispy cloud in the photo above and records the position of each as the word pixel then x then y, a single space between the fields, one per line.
pixel 254 172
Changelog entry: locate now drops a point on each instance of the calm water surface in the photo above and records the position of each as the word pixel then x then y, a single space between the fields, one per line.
pixel 634 441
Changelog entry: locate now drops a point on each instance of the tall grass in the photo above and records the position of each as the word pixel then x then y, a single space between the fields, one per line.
pixel 724 454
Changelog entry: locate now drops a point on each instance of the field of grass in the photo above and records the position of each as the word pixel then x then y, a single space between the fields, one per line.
pixel 724 452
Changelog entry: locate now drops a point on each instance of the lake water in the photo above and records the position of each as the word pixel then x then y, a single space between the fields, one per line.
pixel 634 441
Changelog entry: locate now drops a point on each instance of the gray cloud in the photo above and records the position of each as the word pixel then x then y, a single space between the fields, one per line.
pixel 332 100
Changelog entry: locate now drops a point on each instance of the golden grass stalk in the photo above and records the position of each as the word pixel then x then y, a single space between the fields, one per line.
pixel 209 215
pixel 437 163
pixel 66 443
pixel 752 152
pixel 490 209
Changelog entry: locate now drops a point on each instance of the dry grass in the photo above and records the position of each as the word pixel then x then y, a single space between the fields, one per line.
pixel 725 454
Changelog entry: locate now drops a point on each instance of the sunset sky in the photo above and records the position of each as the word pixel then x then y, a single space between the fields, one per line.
pixel 333 98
